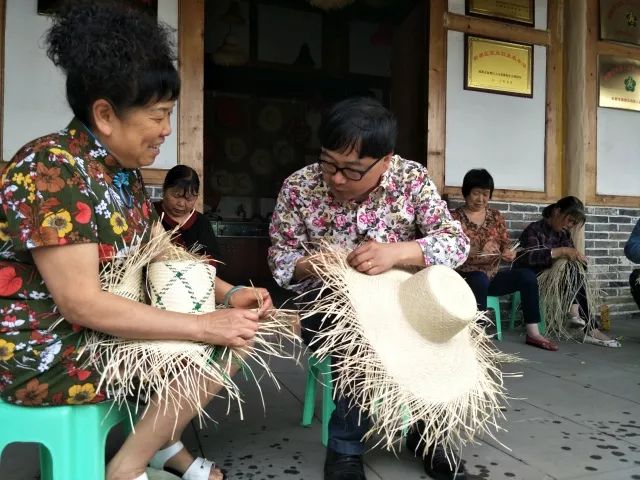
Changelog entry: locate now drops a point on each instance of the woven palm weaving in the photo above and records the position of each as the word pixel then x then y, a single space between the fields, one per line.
pixel 405 347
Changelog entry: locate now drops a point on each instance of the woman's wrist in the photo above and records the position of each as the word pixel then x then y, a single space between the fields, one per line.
pixel 226 301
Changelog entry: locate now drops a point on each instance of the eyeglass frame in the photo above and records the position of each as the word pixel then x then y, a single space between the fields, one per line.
pixel 362 173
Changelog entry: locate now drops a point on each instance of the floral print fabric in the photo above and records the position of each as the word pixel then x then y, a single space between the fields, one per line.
pixel 58 190
pixel 494 228
pixel 404 206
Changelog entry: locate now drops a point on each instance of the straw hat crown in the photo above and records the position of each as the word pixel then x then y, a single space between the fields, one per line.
pixel 437 303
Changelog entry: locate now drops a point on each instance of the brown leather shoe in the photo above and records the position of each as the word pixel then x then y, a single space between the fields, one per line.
pixel 543 343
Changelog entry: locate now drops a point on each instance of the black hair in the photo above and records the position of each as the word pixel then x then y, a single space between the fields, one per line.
pixel 361 124
pixel 477 178
pixel 182 177
pixel 570 206
pixel 112 51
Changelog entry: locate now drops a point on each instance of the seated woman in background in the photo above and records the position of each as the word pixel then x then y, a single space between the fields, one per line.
pixel 490 244
pixel 549 239
pixel 179 194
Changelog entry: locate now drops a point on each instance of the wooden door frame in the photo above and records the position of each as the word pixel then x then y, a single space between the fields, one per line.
pixel 190 122
pixel 441 21
pixel 594 47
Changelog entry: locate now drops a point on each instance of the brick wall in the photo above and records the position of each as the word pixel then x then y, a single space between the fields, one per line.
pixel 606 232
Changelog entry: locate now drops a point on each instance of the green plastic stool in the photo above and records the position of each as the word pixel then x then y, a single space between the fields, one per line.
pixel 494 304
pixel 515 304
pixel 318 371
pixel 72 438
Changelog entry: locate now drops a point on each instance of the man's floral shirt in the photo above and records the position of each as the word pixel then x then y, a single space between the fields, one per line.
pixel 405 206
pixel 60 189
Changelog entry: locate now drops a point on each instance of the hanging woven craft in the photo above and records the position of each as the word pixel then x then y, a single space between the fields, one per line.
pixel 181 281
pixel 405 348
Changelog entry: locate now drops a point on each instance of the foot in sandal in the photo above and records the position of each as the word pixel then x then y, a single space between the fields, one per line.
pixel 177 460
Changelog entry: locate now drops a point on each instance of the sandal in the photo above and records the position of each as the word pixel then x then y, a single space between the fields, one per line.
pixel 611 343
pixel 199 469
pixel 543 343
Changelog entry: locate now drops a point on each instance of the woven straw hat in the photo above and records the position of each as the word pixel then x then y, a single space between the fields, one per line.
pixel 425 316
pixel 406 348
pixel 182 286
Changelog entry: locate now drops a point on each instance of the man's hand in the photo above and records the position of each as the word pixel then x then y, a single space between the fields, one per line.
pixel 374 258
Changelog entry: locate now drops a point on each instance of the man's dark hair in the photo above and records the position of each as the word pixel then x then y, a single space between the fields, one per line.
pixel 477 178
pixel 114 52
pixel 361 124
pixel 184 178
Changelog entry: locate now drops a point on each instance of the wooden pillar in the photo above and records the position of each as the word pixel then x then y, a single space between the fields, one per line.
pixel 580 101
pixel 576 119
pixel 191 68
pixel 437 95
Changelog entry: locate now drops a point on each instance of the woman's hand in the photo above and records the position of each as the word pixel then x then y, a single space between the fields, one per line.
pixel 230 327
pixel 248 298
pixel 570 253
pixel 508 255
pixel 491 247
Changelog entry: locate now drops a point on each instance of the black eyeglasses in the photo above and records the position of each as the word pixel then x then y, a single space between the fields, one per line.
pixel 349 173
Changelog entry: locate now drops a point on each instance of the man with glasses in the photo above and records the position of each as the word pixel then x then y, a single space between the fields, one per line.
pixel 361 196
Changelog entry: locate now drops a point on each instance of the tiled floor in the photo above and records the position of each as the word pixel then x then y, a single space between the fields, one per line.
pixel 575 414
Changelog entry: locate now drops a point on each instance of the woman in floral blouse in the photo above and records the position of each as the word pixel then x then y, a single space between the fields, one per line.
pixel 74 199
pixel 487 232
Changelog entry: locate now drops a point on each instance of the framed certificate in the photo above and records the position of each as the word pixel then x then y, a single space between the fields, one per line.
pixel 619 21
pixel 619 85
pixel 518 11
pixel 498 67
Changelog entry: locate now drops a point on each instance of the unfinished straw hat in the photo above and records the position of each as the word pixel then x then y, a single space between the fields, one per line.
pixel 180 281
pixel 559 287
pixel 405 347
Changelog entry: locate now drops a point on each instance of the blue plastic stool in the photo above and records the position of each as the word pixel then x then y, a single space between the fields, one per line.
pixel 515 304
pixel 72 438
pixel 318 371
pixel 494 304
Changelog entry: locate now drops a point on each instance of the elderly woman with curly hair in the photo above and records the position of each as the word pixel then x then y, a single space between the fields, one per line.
pixel 74 199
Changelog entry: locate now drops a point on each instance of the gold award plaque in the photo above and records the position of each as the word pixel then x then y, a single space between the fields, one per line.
pixel 620 20
pixel 619 82
pixel 520 11
pixel 498 67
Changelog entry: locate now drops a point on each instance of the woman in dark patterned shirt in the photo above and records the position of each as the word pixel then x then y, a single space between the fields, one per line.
pixel 549 239
pixel 487 232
